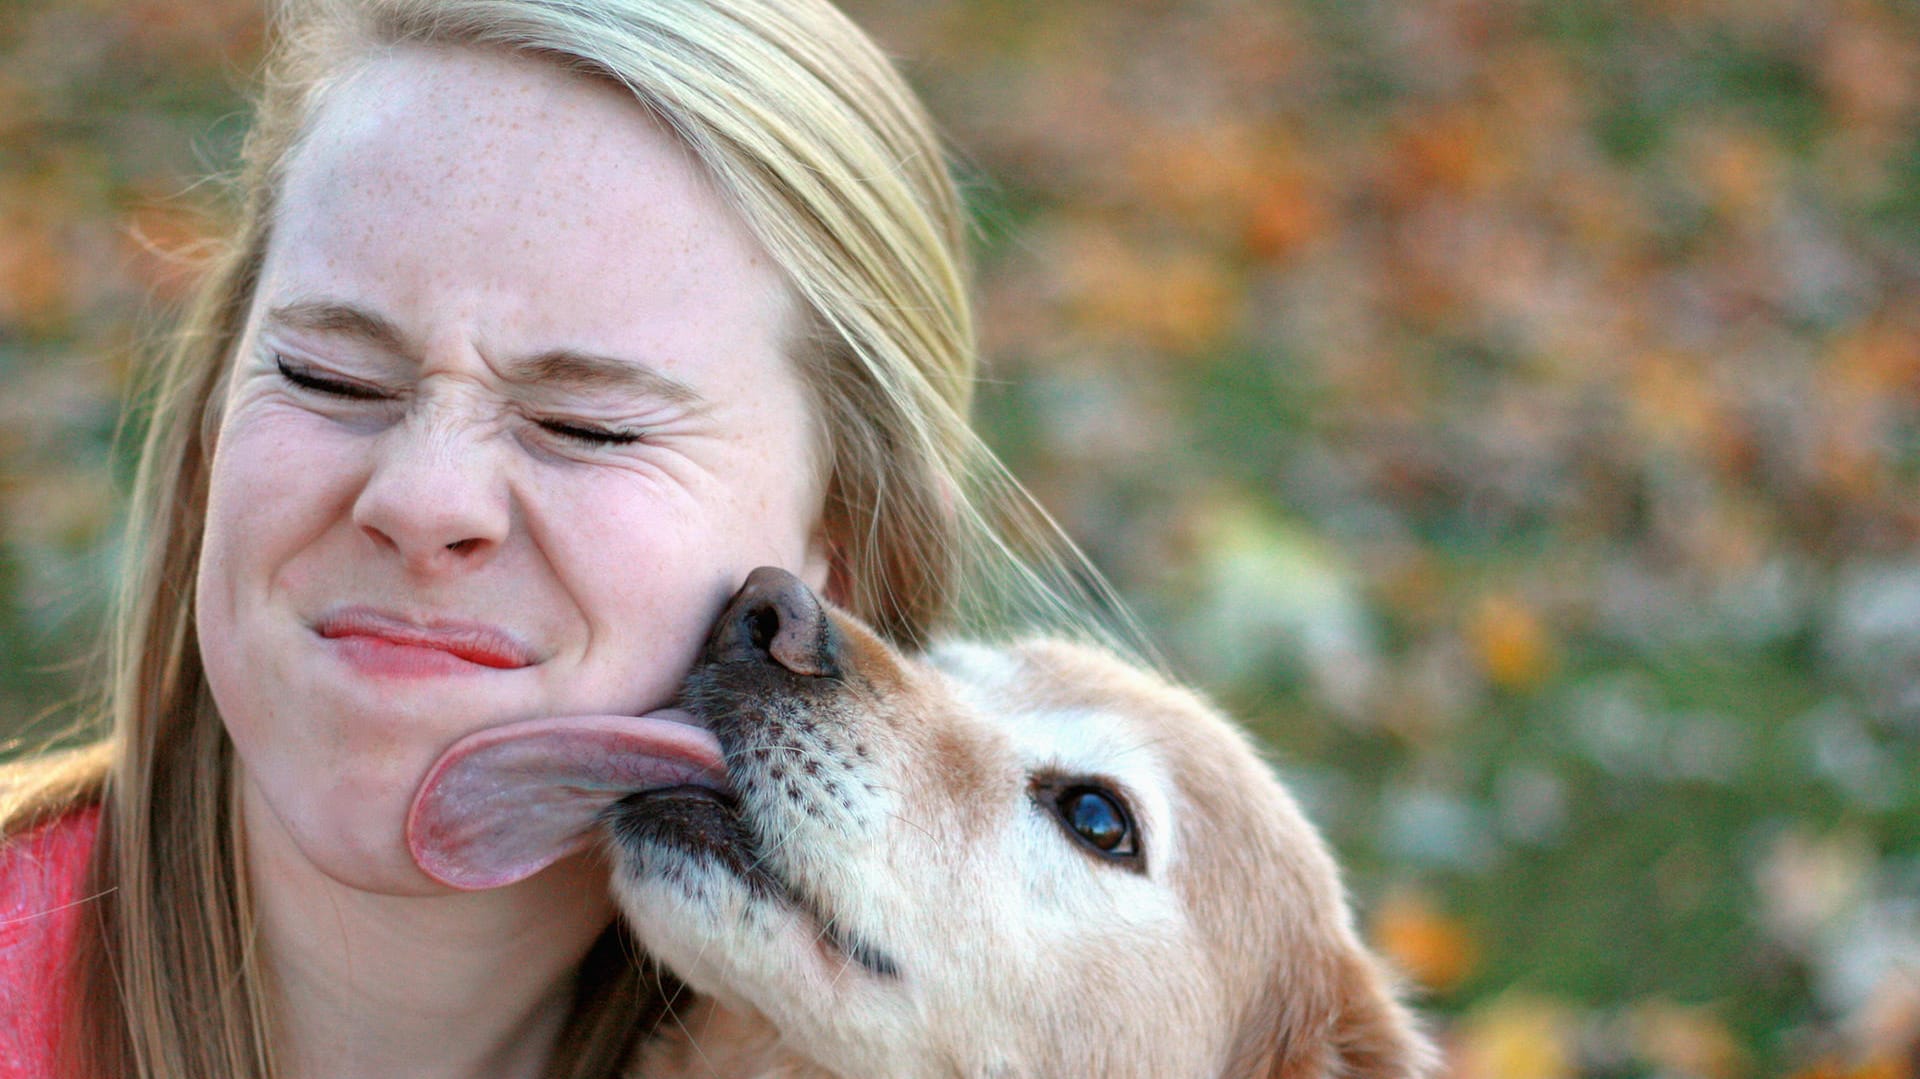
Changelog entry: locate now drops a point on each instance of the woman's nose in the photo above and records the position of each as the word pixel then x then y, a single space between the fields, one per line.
pixel 438 499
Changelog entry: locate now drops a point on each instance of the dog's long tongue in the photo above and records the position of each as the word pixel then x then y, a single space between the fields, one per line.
pixel 502 804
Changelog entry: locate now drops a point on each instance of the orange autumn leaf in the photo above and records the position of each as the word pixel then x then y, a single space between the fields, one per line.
pixel 1514 647
pixel 1672 399
pixel 1285 216
pixel 35 274
pixel 1174 301
pixel 1741 172
pixel 1429 946
pixel 1880 360
pixel 1201 177
pixel 1451 150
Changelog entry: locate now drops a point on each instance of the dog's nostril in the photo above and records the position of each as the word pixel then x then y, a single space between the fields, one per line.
pixel 776 617
pixel 763 626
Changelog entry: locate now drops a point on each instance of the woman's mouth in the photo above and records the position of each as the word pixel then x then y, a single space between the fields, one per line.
pixel 381 643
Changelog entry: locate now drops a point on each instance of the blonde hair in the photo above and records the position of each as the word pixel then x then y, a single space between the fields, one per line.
pixel 809 132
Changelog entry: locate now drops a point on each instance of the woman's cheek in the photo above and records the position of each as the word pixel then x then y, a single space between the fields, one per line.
pixel 638 561
pixel 650 560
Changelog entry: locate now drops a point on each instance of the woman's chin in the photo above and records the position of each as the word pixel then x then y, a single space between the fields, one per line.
pixel 346 837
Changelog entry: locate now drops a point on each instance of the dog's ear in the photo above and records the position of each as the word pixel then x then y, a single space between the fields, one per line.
pixel 1359 1030
pixel 1374 1035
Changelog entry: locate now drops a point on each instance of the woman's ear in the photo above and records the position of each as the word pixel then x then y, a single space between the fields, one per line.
pixel 1368 1034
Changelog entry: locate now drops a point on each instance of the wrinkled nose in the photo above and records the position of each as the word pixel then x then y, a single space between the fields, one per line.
pixel 440 503
pixel 777 618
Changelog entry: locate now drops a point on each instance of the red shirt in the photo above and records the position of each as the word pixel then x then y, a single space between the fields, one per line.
pixel 41 872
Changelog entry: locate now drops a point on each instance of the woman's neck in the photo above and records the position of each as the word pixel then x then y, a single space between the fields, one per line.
pixel 461 986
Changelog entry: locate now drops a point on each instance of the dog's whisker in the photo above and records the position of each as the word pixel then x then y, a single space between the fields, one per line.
pixel 670 998
pixel 882 788
pixel 693 1042
pixel 828 934
pixel 767 751
pixel 845 962
pixel 823 930
pixel 911 823
pixel 1145 744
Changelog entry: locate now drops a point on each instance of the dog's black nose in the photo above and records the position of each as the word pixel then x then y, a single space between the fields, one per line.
pixel 776 617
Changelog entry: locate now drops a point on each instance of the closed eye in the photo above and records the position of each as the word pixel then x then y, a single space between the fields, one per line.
pixel 591 435
pixel 307 379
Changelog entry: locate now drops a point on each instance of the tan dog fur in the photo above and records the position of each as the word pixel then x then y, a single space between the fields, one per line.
pixel 896 806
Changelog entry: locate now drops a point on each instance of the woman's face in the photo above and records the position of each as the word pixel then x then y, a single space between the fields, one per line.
pixel 510 421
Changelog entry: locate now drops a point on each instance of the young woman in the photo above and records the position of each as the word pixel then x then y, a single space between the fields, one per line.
pixel 544 321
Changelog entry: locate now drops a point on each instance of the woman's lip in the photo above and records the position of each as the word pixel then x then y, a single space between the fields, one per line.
pixel 475 642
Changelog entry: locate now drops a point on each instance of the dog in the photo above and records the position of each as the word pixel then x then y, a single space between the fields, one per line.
pixel 1030 861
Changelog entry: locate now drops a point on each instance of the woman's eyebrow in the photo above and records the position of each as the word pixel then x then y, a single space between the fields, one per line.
pixel 574 369
pixel 321 316
pixel 564 367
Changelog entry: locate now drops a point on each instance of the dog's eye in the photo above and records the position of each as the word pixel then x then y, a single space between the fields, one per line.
pixel 1099 819
pixel 1095 818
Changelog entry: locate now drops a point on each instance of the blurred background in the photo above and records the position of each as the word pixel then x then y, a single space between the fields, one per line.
pixel 1510 408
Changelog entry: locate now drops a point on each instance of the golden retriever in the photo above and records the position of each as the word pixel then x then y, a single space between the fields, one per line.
pixel 1029 861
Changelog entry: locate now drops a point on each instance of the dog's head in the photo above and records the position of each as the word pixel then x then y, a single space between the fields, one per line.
pixel 1031 860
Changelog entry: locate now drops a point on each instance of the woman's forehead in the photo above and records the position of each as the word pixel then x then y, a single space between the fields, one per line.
pixel 536 206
